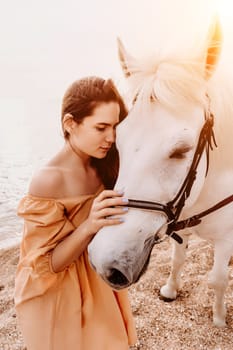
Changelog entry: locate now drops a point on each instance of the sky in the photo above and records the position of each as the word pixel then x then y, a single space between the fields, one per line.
pixel 46 44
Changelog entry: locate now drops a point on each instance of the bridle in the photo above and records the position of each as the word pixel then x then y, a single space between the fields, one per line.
pixel 174 208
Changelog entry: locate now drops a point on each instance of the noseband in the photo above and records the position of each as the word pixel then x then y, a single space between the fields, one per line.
pixel 174 208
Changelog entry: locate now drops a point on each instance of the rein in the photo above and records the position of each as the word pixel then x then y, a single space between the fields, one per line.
pixel 174 208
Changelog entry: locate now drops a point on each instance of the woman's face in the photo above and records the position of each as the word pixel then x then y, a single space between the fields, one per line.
pixel 95 135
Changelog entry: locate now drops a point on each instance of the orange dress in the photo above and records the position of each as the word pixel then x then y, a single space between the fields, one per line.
pixel 73 309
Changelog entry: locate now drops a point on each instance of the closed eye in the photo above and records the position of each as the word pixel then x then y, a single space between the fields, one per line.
pixel 180 152
pixel 100 128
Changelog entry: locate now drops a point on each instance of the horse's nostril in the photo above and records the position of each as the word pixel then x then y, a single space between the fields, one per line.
pixel 117 278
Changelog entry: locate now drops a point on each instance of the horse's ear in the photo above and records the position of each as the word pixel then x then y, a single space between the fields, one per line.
pixel 214 48
pixel 124 58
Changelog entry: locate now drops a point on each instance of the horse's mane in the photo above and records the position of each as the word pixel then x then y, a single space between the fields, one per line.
pixel 176 77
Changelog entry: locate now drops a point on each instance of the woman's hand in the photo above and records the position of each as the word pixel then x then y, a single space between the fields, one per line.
pixel 107 209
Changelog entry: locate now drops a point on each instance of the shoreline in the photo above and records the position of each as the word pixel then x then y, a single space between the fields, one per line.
pixel 9 244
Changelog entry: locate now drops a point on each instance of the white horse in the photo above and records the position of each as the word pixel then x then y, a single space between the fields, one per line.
pixel 168 158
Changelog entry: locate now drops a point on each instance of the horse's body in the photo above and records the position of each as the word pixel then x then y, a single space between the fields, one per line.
pixel 157 142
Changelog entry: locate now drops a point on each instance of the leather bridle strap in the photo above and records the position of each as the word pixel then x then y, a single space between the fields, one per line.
pixel 154 206
pixel 204 142
pixel 173 208
pixel 196 219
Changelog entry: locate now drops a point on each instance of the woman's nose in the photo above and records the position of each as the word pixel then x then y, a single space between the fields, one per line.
pixel 110 137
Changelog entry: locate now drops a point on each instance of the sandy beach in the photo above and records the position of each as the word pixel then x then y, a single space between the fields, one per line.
pixel 184 324
pixel 10 338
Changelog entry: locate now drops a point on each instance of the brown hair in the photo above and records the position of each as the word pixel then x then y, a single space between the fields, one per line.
pixel 80 100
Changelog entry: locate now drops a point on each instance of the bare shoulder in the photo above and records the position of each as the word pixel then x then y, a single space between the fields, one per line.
pixel 47 182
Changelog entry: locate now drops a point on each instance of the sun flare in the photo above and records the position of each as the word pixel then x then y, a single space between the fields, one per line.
pixel 225 8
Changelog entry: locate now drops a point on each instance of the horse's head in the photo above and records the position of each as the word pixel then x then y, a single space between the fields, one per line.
pixel 157 144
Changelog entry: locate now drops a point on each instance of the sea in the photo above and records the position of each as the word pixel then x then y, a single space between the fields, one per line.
pixel 30 135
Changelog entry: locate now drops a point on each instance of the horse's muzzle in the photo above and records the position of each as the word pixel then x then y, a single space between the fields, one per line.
pixel 122 272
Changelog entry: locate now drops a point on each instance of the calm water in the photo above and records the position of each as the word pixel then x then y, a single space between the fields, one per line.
pixel 30 135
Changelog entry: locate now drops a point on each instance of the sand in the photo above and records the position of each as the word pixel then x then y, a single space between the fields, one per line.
pixel 10 338
pixel 184 324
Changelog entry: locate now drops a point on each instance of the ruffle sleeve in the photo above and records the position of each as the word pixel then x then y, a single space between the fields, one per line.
pixel 45 225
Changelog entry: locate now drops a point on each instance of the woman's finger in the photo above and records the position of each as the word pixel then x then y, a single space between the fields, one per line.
pixel 108 194
pixel 112 202
pixel 112 211
pixel 112 221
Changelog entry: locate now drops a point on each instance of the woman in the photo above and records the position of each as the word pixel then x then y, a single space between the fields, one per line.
pixel 61 303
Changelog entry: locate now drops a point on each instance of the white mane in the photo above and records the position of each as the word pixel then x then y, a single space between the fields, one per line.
pixel 173 72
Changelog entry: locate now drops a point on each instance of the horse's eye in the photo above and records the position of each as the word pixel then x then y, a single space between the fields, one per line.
pixel 180 153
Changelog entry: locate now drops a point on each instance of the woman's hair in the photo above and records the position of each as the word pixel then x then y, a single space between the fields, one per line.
pixel 80 100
